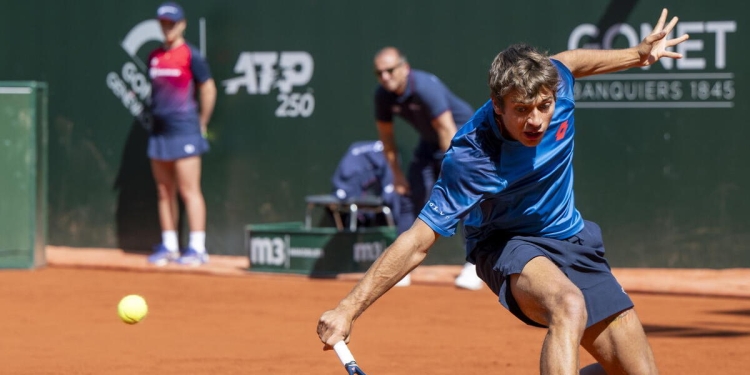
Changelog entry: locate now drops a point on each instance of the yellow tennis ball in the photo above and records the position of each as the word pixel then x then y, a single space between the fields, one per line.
pixel 132 309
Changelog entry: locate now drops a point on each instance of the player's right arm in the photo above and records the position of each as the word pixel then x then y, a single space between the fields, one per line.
pixel 405 254
pixel 385 131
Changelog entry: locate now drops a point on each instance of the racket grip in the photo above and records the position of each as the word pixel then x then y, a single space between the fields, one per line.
pixel 347 359
pixel 345 355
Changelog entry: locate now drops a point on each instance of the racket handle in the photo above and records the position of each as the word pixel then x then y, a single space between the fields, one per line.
pixel 347 359
pixel 345 355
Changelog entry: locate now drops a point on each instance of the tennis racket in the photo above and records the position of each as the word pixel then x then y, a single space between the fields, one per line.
pixel 347 359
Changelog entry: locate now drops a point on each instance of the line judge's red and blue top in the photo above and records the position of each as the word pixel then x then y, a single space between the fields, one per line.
pixel 174 74
pixel 176 131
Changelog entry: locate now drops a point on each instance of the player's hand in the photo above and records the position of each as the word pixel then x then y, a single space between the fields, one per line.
pixel 334 326
pixel 654 46
pixel 204 129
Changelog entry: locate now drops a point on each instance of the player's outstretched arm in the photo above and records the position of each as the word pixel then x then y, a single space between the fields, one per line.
pixel 405 254
pixel 586 62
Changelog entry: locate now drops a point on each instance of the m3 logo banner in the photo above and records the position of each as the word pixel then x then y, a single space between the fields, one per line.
pixel 262 72
pixel 269 251
pixel 280 251
pixel 131 86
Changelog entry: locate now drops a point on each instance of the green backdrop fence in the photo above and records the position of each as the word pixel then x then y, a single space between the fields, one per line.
pixel 23 167
pixel 659 159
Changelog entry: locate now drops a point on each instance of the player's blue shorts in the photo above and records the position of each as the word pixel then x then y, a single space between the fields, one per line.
pixel 173 147
pixel 580 257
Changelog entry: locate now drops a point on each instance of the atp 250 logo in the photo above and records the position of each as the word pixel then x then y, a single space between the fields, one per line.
pixel 262 72
pixel 258 73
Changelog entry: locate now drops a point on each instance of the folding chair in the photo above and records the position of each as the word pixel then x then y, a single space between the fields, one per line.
pixel 361 183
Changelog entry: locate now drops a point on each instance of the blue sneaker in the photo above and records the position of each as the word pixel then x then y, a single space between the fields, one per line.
pixel 161 256
pixel 192 257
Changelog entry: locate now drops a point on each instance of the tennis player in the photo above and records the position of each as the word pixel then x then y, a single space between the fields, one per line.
pixel 509 172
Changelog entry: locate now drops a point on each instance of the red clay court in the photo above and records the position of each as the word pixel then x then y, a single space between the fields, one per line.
pixel 220 319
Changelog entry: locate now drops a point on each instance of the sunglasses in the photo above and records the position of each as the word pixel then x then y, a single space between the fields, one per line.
pixel 379 73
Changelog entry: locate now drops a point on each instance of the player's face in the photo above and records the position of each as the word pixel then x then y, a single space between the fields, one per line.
pixel 392 71
pixel 173 31
pixel 523 120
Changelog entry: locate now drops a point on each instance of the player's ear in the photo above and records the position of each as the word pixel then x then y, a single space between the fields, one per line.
pixel 497 106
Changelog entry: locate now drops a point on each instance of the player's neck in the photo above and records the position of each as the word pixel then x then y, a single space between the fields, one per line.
pixel 174 44
pixel 499 123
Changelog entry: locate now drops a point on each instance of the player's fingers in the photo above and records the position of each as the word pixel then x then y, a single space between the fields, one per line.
pixel 673 55
pixel 324 332
pixel 329 337
pixel 325 335
pixel 327 346
pixel 671 25
pixel 653 38
pixel 676 41
pixel 321 328
pixel 662 19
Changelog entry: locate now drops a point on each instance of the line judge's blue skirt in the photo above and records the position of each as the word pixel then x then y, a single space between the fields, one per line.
pixel 173 147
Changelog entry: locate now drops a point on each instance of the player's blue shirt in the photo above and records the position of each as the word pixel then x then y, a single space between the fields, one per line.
pixel 500 185
pixel 425 98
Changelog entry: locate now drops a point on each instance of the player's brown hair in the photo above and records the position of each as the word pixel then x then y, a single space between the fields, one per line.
pixel 523 69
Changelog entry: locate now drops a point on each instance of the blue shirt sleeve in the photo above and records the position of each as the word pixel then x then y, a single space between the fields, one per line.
pixel 466 178
pixel 199 66
pixel 434 95
pixel 567 81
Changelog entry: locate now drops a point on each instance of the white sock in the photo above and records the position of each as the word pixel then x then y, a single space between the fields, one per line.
pixel 169 240
pixel 198 241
